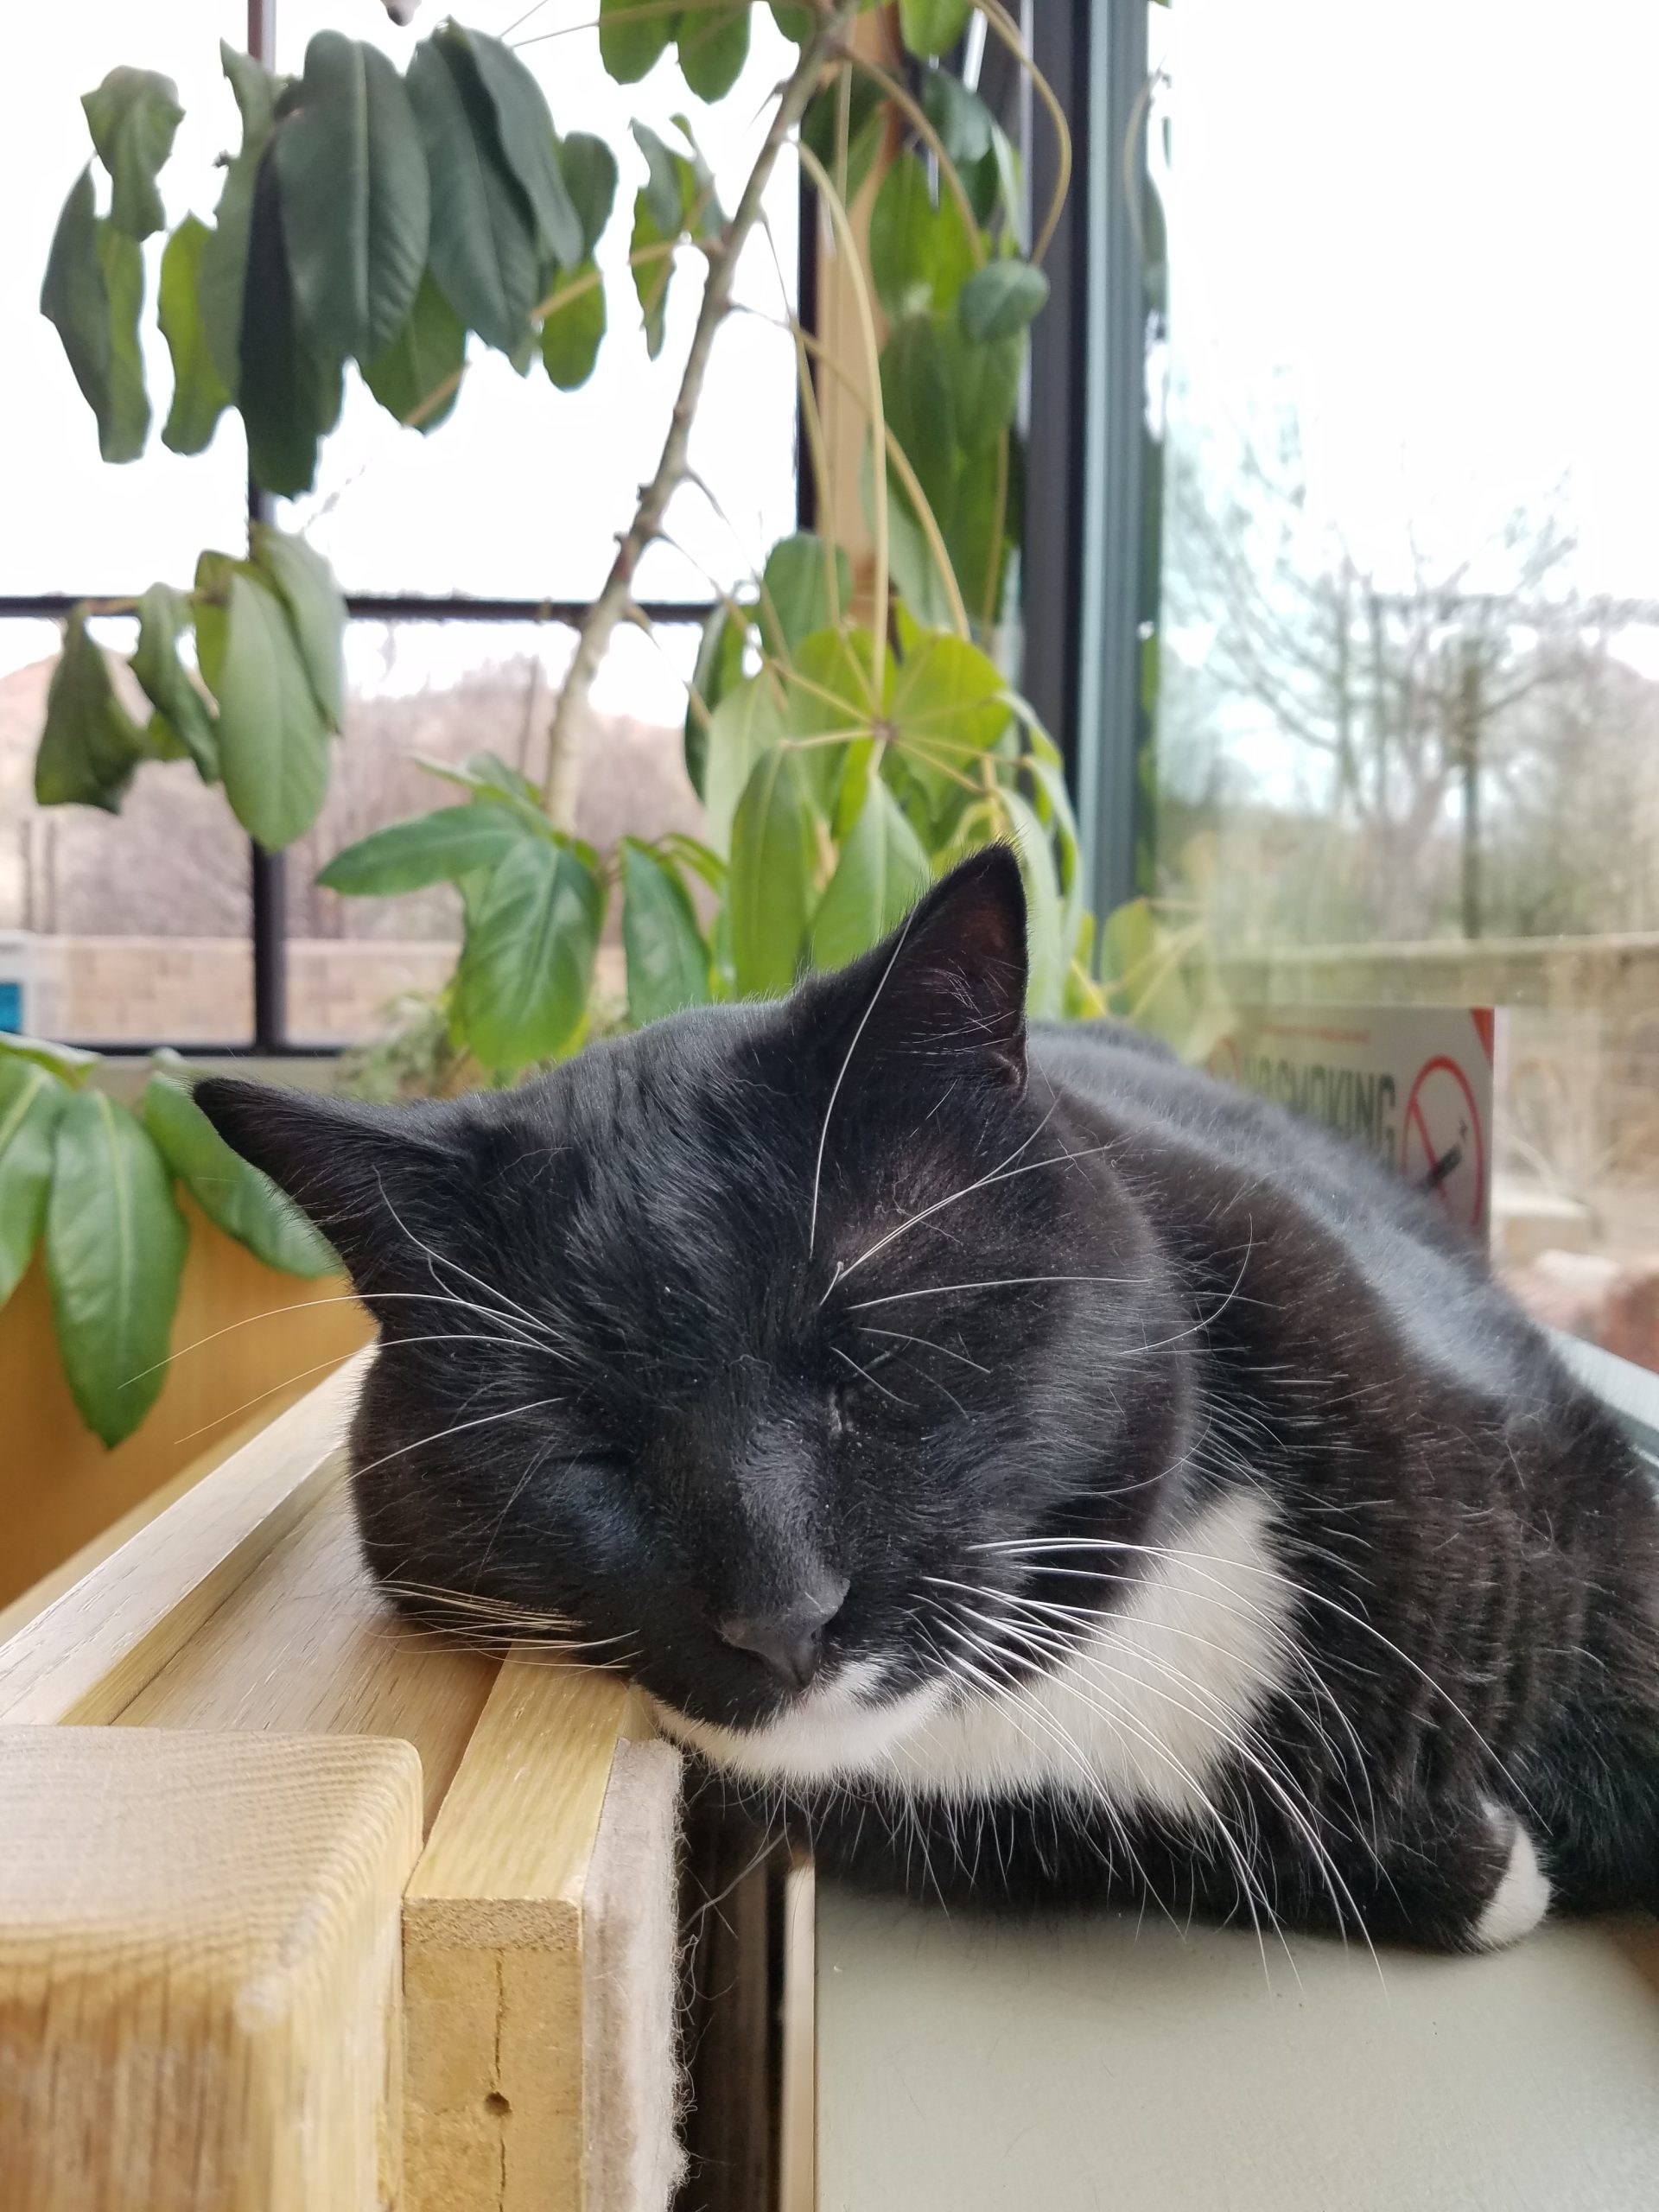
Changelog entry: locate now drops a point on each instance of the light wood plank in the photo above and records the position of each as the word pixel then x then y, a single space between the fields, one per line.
pixel 199 2014
pixel 492 1949
pixel 89 1654
pixel 306 1644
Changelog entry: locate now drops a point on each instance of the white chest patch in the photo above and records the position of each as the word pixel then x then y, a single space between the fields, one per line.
pixel 1143 1711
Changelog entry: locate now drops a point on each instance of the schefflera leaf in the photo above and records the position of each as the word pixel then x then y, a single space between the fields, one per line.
pixel 632 35
pixel 527 965
pixel 880 875
pixel 91 745
pixel 774 885
pixel 31 1099
pixel 483 248
pixel 115 1247
pixel 713 43
pixel 668 962
pixel 272 735
pixel 244 1203
pixel 443 847
pixel 417 378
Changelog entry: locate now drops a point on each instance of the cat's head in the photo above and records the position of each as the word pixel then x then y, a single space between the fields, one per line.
pixel 736 1344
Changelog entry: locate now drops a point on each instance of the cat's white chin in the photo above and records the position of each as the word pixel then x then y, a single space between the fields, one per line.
pixel 841 1727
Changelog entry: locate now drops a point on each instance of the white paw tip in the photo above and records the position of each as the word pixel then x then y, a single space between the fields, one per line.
pixel 1521 1899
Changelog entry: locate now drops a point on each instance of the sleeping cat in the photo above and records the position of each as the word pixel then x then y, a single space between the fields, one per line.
pixel 1038 1473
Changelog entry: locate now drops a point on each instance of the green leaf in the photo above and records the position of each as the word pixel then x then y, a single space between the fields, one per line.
pixel 920 254
pixel 92 293
pixel 67 1061
pixel 651 278
pixel 719 668
pixel 244 1204
pixel 866 122
pixel 794 591
pixel 572 334
pixel 483 249
pixel 589 168
pixel 132 116
pixel 746 724
pixel 668 962
pixel 772 890
pixel 273 743
pixel 947 697
pixel 714 45
pixel 524 133
pixel 527 965
pixel 920 410
pixel 881 873
pixel 827 692
pixel 222 282
pixel 1045 947
pixel 961 119
pixel 437 847
pixel 429 353
pixel 984 380
pixel 163 617
pixel 199 394
pixel 796 23
pixel 354 197
pixel 1001 300
pixel 91 743
pixel 115 1246
pixel 289 387
pixel 31 1099
pixel 984 532
pixel 930 27
pixel 632 35
pixel 305 584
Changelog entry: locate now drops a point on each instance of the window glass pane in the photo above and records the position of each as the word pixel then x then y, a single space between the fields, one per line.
pixel 520 494
pixel 440 691
pixel 71 523
pixel 129 928
pixel 1409 628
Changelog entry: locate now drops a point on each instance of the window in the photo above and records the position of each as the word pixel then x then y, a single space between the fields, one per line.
pixel 1369 599
pixel 466 557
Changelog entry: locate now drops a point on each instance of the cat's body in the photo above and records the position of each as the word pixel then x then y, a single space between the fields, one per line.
pixel 1042 1475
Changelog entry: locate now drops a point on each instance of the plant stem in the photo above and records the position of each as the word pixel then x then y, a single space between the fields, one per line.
pixel 560 788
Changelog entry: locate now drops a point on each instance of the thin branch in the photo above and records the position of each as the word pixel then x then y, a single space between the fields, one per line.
pixel 600 626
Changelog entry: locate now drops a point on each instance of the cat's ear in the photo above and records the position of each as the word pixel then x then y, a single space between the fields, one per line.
pixel 382 1183
pixel 949 985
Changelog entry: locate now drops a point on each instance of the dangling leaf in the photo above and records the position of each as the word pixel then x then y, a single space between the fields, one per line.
pixel 748 721
pixel 91 743
pixel 719 668
pixel 92 293
pixel 678 196
pixel 795 591
pixel 524 134
pixel 199 394
pixel 866 122
pixel 132 116
pixel 651 277
pixel 289 388
pixel 572 332
pixel 427 355
pixel 272 739
pixel 920 253
pixel 355 196
pixel 244 1203
pixel 222 282
pixel 527 966
pixel 1001 300
pixel 589 168
pixel 668 962
pixel 881 873
pixel 917 399
pixel 437 847
pixel 483 248
pixel 305 583
pixel 797 24
pixel 714 45
pixel 163 617
pixel 31 1099
pixel 632 35
pixel 930 27
pixel 961 119
pixel 984 380
pixel 773 890
pixel 115 1246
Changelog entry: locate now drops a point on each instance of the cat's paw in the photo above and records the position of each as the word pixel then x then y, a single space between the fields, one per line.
pixel 1521 1896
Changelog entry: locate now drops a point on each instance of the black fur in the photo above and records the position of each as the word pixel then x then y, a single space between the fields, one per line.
pixel 660 1409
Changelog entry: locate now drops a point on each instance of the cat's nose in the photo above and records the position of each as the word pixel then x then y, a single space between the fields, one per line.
pixel 790 1640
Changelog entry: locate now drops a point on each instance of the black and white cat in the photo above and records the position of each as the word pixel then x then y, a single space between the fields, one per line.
pixel 1039 1472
